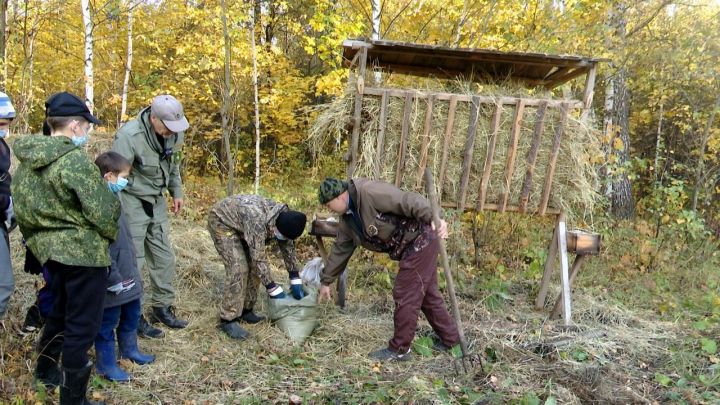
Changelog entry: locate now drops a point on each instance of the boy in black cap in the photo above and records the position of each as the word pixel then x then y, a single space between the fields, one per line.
pixel 241 227
pixel 68 217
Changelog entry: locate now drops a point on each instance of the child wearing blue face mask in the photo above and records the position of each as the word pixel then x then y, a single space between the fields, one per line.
pixel 124 292
pixel 7 282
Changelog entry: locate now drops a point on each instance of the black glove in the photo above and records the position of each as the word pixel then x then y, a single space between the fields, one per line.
pixel 32 264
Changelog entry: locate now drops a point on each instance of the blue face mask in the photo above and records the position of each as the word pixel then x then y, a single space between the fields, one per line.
pixel 80 140
pixel 119 185
pixel 3 133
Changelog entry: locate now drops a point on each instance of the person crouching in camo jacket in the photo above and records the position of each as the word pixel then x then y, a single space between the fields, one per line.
pixel 241 227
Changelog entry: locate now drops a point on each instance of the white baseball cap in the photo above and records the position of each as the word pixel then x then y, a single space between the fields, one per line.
pixel 170 112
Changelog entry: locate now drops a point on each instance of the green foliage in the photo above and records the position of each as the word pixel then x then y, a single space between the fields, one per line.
pixel 423 346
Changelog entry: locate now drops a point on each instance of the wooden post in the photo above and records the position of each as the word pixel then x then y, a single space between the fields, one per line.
pixel 487 168
pixel 446 143
pixel 381 136
pixel 579 260
pixel 559 130
pixel 355 140
pixel 564 276
pixel 469 148
pixel 512 151
pixel 532 156
pixel 426 141
pixel 549 264
pixel 403 138
pixel 589 91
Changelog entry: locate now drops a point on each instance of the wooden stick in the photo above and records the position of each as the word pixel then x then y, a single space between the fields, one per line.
pixel 512 151
pixel 549 265
pixel 430 187
pixel 589 91
pixel 469 148
pixel 532 156
pixel 579 260
pixel 559 130
pixel 381 136
pixel 374 91
pixel 487 169
pixel 355 140
pixel 403 139
pixel 426 141
pixel 564 276
pixel 446 143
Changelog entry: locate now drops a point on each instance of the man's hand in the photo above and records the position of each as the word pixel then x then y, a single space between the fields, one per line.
pixel 324 294
pixel 442 232
pixel 177 205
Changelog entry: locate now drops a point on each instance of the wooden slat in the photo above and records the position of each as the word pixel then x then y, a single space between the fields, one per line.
pixel 564 271
pixel 589 91
pixel 425 142
pixel 549 265
pixel 496 207
pixel 532 156
pixel 446 142
pixel 577 264
pixel 439 96
pixel 469 148
pixel 559 130
pixel 402 152
pixel 355 139
pixel 512 151
pixel 377 165
pixel 487 168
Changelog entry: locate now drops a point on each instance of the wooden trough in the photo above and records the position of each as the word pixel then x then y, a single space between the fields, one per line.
pixel 547 71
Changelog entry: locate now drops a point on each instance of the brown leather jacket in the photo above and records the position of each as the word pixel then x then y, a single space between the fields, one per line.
pixel 372 198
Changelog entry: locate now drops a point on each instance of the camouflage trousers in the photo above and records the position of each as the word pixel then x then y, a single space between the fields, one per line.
pixel 241 280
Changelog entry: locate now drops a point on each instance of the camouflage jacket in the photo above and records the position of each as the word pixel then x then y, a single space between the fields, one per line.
pixel 254 217
pixel 64 210
pixel 156 165
pixel 381 218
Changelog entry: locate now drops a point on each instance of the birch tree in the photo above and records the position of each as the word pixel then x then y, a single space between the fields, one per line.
pixel 128 62
pixel 89 74
pixel 226 102
pixel 256 101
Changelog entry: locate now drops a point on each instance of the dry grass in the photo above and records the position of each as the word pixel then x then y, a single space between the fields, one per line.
pixel 201 365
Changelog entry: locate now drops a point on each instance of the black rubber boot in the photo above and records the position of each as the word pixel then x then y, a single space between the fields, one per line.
pixel 234 330
pixel 73 390
pixel 47 368
pixel 248 316
pixel 148 331
pixel 167 316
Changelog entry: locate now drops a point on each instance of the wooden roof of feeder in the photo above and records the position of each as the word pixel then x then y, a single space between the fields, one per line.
pixel 532 69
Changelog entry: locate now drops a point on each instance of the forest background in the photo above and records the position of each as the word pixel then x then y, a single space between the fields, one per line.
pixel 656 107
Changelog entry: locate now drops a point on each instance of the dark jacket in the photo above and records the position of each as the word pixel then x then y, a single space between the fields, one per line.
pixel 5 180
pixel 123 267
pixel 372 198
pixel 65 211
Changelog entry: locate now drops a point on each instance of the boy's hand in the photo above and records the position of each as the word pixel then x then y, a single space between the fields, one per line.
pixel 177 205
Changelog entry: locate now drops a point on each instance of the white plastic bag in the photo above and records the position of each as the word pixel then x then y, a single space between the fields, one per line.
pixel 310 274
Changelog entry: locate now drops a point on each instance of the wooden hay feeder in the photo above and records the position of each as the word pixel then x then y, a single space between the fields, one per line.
pixel 492 173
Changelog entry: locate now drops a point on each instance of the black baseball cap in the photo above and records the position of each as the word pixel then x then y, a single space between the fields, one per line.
pixel 68 105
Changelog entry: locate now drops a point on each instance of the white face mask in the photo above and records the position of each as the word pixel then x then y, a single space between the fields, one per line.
pixel 4 133
pixel 279 236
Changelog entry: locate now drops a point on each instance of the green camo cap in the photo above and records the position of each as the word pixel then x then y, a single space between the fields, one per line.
pixel 330 188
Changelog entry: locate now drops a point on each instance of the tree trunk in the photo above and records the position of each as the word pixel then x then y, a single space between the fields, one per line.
pixel 128 64
pixel 226 103
pixel 658 143
pixel 256 101
pixel 89 75
pixel 701 159
pixel 3 44
pixel 376 17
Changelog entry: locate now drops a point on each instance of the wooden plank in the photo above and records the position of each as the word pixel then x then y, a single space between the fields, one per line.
pixel 564 276
pixel 469 148
pixel 579 260
pixel 402 152
pixel 589 91
pixel 549 265
pixel 487 169
pixel 446 142
pixel 377 165
pixel 425 141
pixel 355 139
pixel 512 151
pixel 559 130
pixel 496 207
pixel 439 96
pixel 532 156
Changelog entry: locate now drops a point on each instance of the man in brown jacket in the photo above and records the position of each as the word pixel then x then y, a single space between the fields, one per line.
pixel 383 218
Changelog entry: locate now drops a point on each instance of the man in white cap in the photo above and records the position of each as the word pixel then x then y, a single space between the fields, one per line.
pixel 7 281
pixel 152 143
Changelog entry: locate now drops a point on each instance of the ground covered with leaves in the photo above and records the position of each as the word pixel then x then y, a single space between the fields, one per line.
pixel 645 315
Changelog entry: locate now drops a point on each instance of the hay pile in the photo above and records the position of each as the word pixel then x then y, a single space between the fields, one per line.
pixel 575 181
